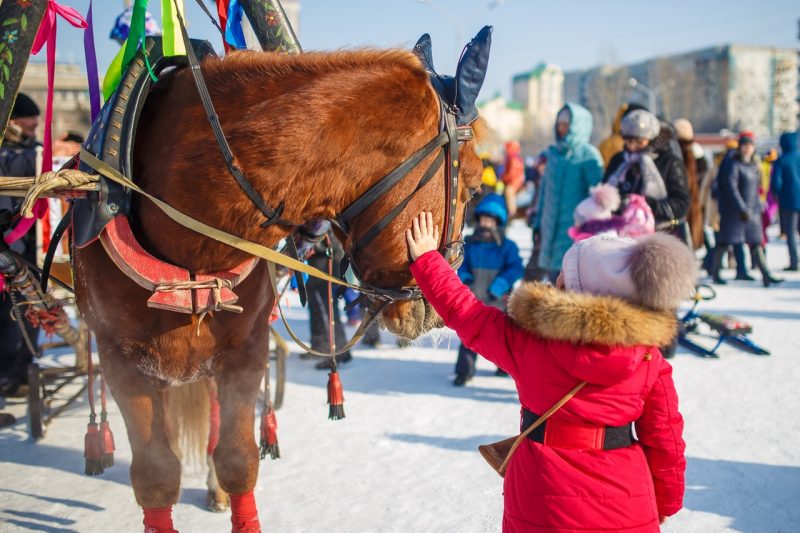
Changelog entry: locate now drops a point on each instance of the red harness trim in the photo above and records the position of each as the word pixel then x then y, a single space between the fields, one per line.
pixel 149 272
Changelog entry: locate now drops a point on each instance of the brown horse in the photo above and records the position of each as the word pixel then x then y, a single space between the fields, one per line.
pixel 312 131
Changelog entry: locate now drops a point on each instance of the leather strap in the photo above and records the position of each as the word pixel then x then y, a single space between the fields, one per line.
pixel 390 180
pixel 204 229
pixel 273 215
pixel 51 250
pixel 389 217
pixel 372 314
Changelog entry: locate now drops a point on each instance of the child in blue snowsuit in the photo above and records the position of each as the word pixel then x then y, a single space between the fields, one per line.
pixel 491 267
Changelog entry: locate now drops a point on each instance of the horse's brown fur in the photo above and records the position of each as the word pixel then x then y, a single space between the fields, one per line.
pixel 312 131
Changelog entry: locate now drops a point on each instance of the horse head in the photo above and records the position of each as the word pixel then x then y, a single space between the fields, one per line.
pixel 454 185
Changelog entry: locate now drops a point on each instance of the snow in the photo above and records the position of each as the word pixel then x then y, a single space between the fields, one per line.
pixel 405 458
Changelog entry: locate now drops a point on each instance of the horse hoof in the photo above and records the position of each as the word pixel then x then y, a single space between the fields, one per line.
pixel 217 504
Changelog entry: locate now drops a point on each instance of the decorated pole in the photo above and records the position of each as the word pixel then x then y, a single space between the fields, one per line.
pixel 18 29
pixel 271 26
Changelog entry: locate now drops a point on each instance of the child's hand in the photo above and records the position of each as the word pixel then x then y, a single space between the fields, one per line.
pixel 423 235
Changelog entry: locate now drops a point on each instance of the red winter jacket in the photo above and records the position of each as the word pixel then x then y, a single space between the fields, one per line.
pixel 550 341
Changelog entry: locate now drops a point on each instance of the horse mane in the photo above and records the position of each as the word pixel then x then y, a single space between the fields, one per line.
pixel 239 66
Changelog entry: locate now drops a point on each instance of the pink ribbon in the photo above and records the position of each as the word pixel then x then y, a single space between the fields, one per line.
pixel 47 34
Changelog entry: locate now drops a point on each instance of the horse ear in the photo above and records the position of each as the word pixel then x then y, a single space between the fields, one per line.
pixel 424 52
pixel 470 73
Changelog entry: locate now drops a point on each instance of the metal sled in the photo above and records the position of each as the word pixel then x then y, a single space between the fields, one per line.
pixel 724 328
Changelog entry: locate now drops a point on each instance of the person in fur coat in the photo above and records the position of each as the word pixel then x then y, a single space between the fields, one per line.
pixel 602 323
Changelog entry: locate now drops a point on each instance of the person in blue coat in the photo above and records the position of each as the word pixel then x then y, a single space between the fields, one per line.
pixel 785 186
pixel 573 167
pixel 491 267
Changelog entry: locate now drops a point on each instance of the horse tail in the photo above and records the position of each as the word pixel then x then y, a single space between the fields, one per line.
pixel 188 413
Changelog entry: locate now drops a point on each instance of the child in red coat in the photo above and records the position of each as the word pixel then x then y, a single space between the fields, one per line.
pixel 603 322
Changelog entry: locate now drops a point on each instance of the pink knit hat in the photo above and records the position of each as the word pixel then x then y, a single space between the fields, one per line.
pixel 657 271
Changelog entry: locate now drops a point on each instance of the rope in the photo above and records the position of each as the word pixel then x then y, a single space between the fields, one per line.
pixel 216 285
pixel 90 372
pixel 48 181
pixel 331 335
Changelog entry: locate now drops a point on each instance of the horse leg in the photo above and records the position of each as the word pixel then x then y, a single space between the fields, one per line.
pixel 217 499
pixel 155 469
pixel 236 456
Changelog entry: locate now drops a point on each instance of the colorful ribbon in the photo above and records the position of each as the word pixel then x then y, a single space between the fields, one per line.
pixel 234 35
pixel 222 13
pixel 172 40
pixel 128 50
pixel 47 34
pixel 91 65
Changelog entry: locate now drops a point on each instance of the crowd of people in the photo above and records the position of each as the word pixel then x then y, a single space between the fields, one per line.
pixel 650 175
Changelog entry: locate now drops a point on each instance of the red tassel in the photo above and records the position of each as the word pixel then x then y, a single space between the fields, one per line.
pixel 107 440
pixel 93 449
pixel 158 520
pixel 269 435
pixel 335 397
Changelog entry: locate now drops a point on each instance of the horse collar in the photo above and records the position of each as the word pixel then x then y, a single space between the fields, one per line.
pixel 174 288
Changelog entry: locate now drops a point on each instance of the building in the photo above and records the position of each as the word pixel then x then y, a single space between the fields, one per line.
pixel 540 94
pixel 71 110
pixel 506 121
pixel 733 87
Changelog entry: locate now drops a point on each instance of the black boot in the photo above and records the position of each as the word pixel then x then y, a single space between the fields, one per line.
pixel 757 252
pixel 716 265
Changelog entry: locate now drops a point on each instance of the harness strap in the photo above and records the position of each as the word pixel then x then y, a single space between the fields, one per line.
pixel 195 225
pixel 451 185
pixel 389 217
pixel 391 179
pixel 372 314
pixel 273 215
pixel 51 249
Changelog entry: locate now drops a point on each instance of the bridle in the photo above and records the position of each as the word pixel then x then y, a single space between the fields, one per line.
pixel 448 141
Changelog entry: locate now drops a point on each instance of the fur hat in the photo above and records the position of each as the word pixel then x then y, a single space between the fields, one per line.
pixel 684 130
pixel 603 200
pixel 640 124
pixel 656 272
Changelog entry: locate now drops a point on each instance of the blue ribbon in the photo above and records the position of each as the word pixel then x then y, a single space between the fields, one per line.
pixel 234 35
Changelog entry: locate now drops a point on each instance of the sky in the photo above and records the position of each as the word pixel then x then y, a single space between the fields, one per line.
pixel 572 34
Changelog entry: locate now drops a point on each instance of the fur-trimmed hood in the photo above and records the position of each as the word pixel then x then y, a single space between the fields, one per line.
pixel 581 318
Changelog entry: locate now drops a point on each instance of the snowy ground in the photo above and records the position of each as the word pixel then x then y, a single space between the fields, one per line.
pixel 405 458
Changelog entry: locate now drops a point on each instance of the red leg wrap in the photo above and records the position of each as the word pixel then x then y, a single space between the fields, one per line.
pixel 244 515
pixel 158 520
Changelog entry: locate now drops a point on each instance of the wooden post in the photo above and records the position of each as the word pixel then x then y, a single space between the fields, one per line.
pixel 19 23
pixel 271 26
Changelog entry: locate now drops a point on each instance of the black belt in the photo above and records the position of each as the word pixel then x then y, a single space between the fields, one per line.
pixel 577 436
